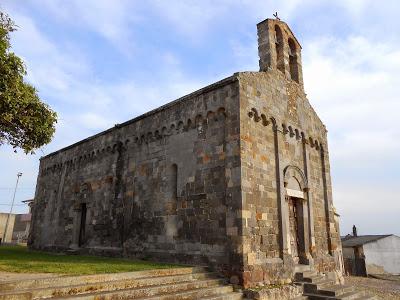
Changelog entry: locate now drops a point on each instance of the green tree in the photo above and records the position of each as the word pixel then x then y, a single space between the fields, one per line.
pixel 25 121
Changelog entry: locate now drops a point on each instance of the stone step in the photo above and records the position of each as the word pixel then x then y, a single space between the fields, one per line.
pixel 17 296
pixel 302 268
pixel 86 279
pixel 347 296
pixel 314 287
pixel 69 290
pixel 200 293
pixel 314 279
pixel 309 273
pixel 152 291
pixel 299 276
pixel 228 296
pixel 336 290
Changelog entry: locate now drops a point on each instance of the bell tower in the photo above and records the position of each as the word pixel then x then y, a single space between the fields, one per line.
pixel 279 49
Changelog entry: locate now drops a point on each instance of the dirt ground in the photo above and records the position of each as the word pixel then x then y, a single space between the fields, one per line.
pixel 385 287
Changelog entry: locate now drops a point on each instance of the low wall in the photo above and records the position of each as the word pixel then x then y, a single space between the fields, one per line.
pixel 275 292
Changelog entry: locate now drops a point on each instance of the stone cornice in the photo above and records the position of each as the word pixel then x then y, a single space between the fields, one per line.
pixel 197 122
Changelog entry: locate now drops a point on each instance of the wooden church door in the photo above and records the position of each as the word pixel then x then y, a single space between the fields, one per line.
pixel 293 228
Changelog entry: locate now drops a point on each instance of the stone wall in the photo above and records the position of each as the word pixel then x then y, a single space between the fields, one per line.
pixel 165 185
pixel 383 255
pixel 6 237
pixel 281 136
pixel 289 291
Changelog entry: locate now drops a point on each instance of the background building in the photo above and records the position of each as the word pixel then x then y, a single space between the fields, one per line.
pixel 18 225
pixel 3 221
pixel 371 254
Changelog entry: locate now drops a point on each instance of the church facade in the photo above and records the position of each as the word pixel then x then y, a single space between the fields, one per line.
pixel 235 175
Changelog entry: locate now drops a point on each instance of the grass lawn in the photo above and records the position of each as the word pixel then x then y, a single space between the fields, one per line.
pixel 21 260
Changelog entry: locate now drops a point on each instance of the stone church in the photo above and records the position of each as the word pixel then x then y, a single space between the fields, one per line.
pixel 235 175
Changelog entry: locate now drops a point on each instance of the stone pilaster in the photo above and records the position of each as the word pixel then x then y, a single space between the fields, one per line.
pixel 309 198
pixel 280 192
pixel 326 201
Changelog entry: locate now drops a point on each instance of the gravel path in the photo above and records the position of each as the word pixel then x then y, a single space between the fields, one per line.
pixel 383 288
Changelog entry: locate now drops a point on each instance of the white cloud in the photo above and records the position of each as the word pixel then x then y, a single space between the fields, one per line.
pixel 93 121
pixel 68 80
pixel 353 87
pixel 110 19
pixel 195 18
pixel 50 66
pixel 353 83
pixel 86 105
pixel 188 17
pixel 245 55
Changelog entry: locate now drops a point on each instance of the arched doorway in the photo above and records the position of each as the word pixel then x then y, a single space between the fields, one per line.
pixel 81 206
pixel 297 221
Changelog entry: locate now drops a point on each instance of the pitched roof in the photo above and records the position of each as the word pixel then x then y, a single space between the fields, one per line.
pixel 354 241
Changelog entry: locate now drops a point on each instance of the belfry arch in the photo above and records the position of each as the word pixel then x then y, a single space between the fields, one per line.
pixel 293 63
pixel 280 63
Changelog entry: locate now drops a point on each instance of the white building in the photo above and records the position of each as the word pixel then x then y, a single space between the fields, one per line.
pixel 381 254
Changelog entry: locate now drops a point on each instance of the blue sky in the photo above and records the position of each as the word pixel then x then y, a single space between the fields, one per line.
pixel 102 62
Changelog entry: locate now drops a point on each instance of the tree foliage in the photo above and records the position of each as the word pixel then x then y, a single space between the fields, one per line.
pixel 25 121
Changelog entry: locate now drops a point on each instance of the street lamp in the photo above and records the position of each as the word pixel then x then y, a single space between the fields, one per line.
pixel 19 174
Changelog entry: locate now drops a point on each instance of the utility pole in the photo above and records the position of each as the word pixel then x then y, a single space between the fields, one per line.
pixel 19 174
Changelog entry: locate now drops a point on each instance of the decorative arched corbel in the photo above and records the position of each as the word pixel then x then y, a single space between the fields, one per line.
pixel 291 132
pixel 265 121
pixel 274 124
pixel 254 114
pixel 284 129
pixel 296 131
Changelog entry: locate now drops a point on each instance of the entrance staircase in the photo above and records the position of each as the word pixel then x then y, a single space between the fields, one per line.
pixel 318 287
pixel 163 284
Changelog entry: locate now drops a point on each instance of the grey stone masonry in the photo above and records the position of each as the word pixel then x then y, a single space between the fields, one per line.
pixel 235 175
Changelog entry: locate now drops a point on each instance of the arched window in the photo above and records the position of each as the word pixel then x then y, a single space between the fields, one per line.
pixel 280 64
pixel 294 68
pixel 171 190
pixel 174 182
